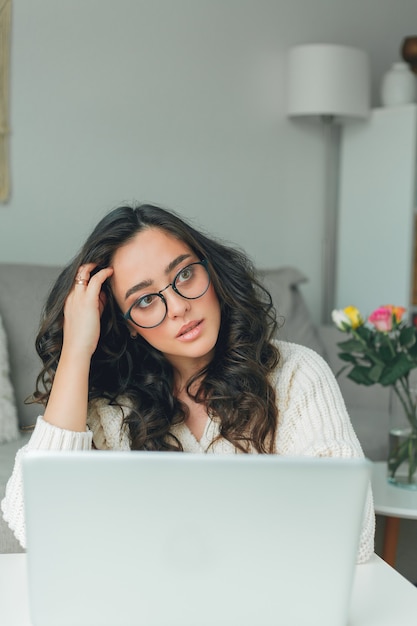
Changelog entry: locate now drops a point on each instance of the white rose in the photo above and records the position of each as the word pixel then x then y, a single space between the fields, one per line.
pixel 341 320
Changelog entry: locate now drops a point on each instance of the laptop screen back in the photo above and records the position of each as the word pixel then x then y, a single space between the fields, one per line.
pixel 155 538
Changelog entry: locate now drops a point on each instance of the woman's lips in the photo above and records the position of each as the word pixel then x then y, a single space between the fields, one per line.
pixel 189 331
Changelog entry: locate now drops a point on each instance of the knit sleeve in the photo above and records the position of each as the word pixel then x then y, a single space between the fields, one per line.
pixel 313 420
pixel 44 437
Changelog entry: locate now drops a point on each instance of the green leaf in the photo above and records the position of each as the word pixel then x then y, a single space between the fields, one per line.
pixel 412 351
pixel 375 373
pixel 360 375
pixel 385 354
pixel 408 336
pixel 399 367
pixel 351 345
pixel 364 333
pixel 345 356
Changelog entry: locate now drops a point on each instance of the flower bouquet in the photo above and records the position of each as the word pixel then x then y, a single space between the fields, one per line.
pixel 383 350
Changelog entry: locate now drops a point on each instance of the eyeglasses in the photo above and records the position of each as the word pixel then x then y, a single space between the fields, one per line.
pixel 150 310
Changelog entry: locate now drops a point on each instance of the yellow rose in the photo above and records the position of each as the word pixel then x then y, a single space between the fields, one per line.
pixel 354 316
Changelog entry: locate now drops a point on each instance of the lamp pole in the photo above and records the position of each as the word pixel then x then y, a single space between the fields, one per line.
pixel 331 205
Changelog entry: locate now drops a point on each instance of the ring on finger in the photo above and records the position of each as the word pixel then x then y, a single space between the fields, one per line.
pixel 81 281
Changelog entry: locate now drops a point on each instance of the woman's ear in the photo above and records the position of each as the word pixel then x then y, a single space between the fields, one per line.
pixel 103 299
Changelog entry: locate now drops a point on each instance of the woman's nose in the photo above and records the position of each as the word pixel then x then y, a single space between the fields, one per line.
pixel 177 305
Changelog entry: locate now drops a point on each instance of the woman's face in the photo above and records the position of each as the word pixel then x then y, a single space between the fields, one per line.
pixel 147 264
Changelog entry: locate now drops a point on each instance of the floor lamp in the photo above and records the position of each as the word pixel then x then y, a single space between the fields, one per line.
pixel 331 83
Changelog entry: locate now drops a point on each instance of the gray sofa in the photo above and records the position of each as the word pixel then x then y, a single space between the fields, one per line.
pixel 23 290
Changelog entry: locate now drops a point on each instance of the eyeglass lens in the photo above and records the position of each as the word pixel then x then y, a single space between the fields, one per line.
pixel 191 283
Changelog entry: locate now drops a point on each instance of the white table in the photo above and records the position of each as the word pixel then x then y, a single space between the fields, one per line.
pixel 395 503
pixel 381 596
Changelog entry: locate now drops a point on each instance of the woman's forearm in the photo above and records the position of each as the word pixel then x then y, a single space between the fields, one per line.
pixel 68 400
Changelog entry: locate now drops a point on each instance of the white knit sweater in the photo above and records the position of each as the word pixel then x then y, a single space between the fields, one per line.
pixel 313 421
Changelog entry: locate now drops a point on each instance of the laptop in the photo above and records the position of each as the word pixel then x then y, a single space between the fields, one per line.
pixel 177 539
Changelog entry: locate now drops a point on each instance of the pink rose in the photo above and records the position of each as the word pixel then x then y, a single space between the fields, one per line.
pixel 382 319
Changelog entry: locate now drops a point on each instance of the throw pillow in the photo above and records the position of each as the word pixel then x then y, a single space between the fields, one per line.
pixel 9 430
pixel 294 319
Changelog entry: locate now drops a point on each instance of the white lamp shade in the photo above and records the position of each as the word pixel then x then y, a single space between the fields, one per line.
pixel 328 80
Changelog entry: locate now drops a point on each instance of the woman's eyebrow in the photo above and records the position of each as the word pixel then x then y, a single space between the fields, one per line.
pixel 177 261
pixel 138 287
pixel 147 283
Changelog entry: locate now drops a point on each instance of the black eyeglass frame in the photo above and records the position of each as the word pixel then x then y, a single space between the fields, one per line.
pixel 128 317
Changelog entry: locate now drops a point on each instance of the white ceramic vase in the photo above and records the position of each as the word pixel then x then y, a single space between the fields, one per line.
pixel 399 86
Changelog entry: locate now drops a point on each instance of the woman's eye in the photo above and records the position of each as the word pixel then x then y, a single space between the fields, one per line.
pixel 144 301
pixel 185 274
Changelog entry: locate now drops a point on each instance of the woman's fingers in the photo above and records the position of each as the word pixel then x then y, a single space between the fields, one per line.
pixel 84 277
pixel 84 306
pixel 85 283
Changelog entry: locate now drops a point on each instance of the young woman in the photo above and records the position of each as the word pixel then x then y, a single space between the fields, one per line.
pixel 157 337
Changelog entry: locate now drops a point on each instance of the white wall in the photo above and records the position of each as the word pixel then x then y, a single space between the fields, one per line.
pixel 178 102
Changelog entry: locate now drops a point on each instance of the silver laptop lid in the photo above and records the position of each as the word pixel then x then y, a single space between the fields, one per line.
pixel 171 539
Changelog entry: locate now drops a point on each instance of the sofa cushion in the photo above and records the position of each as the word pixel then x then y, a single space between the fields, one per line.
pixel 294 319
pixel 8 415
pixel 23 291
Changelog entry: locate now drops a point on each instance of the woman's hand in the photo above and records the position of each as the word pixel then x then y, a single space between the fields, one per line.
pixel 67 404
pixel 82 311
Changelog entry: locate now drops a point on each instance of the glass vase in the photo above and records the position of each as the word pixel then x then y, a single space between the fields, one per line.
pixel 402 451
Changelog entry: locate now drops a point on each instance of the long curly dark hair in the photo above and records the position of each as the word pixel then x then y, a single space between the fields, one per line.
pixel 234 386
